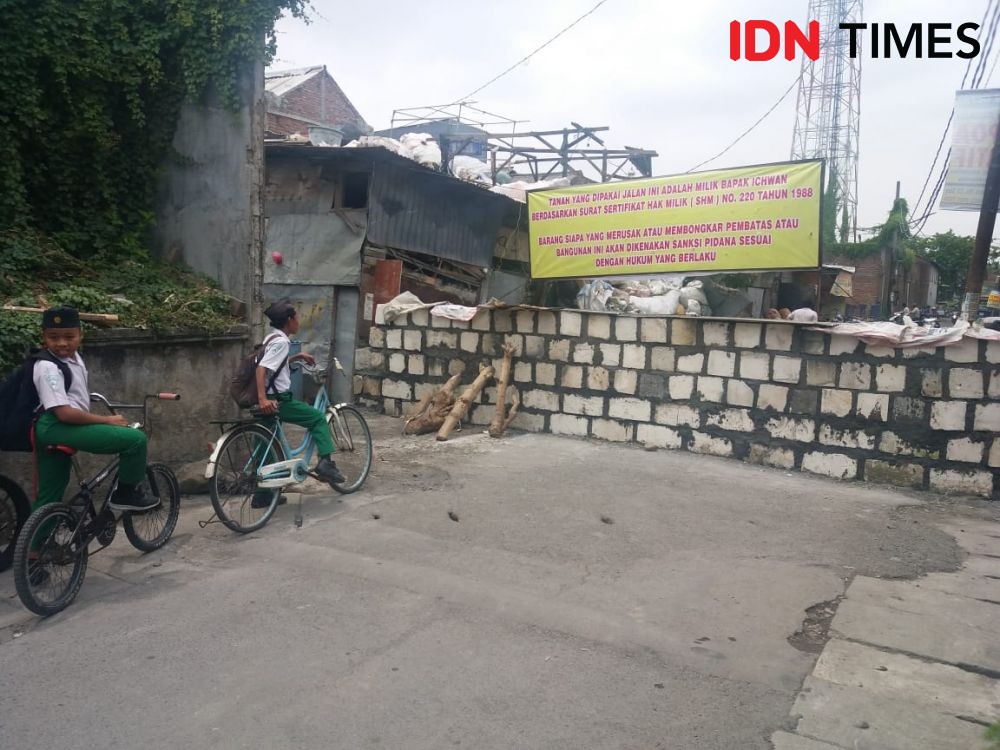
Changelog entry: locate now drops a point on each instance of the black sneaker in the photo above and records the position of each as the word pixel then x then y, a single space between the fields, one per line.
pixel 132 498
pixel 262 499
pixel 327 470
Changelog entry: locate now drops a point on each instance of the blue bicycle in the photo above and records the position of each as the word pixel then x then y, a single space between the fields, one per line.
pixel 253 461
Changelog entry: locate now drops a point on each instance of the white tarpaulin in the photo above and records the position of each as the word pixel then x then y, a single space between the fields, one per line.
pixel 977 114
pixel 910 335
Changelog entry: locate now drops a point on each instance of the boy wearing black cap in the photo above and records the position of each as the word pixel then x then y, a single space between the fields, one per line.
pixel 274 386
pixel 66 420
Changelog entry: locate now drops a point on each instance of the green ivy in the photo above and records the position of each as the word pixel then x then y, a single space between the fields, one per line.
pixel 92 94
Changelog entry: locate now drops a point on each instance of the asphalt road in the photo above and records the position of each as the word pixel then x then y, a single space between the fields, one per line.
pixel 587 596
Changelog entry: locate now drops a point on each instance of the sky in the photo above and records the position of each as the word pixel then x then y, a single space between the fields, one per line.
pixel 656 71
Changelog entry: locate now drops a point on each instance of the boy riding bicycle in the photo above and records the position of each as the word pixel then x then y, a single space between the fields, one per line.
pixel 66 420
pixel 274 396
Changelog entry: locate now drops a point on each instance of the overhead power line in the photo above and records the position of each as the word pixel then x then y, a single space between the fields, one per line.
pixel 530 54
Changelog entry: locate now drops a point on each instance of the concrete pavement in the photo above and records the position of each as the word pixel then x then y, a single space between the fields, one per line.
pixel 589 595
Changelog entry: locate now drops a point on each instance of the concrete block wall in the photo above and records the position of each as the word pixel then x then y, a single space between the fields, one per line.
pixel 774 394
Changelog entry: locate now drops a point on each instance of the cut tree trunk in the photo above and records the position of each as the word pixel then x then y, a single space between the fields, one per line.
pixel 434 410
pixel 464 401
pixel 500 417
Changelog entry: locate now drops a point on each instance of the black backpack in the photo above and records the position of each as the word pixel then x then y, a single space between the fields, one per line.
pixel 243 384
pixel 19 404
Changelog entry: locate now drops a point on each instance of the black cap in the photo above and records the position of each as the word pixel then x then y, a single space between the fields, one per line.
pixel 60 317
pixel 279 312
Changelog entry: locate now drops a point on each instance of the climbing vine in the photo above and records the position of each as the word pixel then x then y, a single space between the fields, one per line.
pixel 92 91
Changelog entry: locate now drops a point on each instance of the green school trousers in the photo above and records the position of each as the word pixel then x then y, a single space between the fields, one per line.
pixel 300 413
pixel 52 468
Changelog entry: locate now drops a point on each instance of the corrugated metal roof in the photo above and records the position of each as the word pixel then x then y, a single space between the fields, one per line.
pixel 415 209
pixel 280 82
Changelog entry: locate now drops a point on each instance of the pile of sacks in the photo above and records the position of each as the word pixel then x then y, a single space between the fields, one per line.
pixel 653 297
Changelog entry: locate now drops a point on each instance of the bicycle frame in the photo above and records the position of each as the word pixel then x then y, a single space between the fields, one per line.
pixel 295 468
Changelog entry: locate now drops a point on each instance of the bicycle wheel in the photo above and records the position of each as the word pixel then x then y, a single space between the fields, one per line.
pixel 354 447
pixel 150 530
pixel 49 581
pixel 14 511
pixel 233 485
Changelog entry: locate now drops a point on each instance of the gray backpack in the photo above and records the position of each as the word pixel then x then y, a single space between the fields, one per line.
pixel 243 385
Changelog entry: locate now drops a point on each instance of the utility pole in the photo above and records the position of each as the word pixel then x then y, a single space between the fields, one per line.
pixel 889 267
pixel 984 234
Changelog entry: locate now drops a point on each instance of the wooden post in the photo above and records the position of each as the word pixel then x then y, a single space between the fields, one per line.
pixel 984 235
pixel 462 405
pixel 432 414
pixel 499 422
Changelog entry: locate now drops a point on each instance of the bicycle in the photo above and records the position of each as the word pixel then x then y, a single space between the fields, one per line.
pixel 14 511
pixel 50 559
pixel 254 460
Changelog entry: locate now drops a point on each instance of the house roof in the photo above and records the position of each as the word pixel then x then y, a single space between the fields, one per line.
pixel 280 82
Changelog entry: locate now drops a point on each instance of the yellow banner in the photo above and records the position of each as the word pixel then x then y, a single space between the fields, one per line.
pixel 744 219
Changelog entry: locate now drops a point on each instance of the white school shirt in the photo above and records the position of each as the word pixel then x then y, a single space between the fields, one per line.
pixel 274 354
pixel 51 385
pixel 804 315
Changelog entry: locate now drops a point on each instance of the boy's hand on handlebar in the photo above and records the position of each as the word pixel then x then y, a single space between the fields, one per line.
pixel 307 358
pixel 116 420
pixel 268 407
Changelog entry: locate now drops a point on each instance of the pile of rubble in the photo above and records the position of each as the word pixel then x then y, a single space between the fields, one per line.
pixel 668 295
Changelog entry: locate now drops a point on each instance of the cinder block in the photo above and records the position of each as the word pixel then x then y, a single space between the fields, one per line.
pixel 611 355
pixel 838 403
pixel 634 356
pixel 590 406
pixel 541 400
pixel 994 457
pixel 468 342
pixel 755 366
pixel 893 444
pixel 412 340
pixel 599 327
pixel 654 330
pixel 787 369
pixel 813 342
pixel 607 429
pixel 965 450
pixel 376 337
pixel 880 352
pixel 923 352
pixel 803 401
pixel 715 334
pixel 625 381
pixel 994 389
pixel 503 321
pixel 676 415
pixel 974 482
pixel 735 420
pixel 522 372
pixel 482 321
pixel 534 347
pixel 890 378
pixel 583 354
pixel 966 350
pixel 963 383
pixel 439 321
pixel 680 387
pixel 529 422
pixel 787 428
pixel 821 372
pixel 515 340
pixel 546 323
pixel 572 377
pixel 416 364
pixel 710 445
pixel 564 424
pixel 780 458
pixel 711 389
pixel 778 337
pixel 634 409
pixel 931 383
pixel 570 323
pixel 394 338
pixel 855 375
pixel 397 363
pixel 846 438
pixel 435 340
pixel 683 332
pixel 993 352
pixel 626 329
pixel 772 397
pixel 545 373
pixel 652 385
pixel 987 417
pixel 421 318
pixel 397 389
pixel 722 364
pixel 691 363
pixel 747 335
pixel 664 358
pixel 739 393
pixel 559 350
pixel 843 345
pixel 833 465
pixel 525 321
pixel 909 409
pixel 896 474
pixel 598 378
pixel 873 406
pixel 661 437
pixel 949 415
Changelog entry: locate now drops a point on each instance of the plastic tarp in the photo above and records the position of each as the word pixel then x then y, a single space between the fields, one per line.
pixel 910 335
pixel 316 250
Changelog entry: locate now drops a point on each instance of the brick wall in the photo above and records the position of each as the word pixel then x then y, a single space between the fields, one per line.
pixel 775 394
pixel 319 99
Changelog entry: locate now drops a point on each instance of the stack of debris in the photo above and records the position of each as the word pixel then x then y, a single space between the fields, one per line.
pixel 667 295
